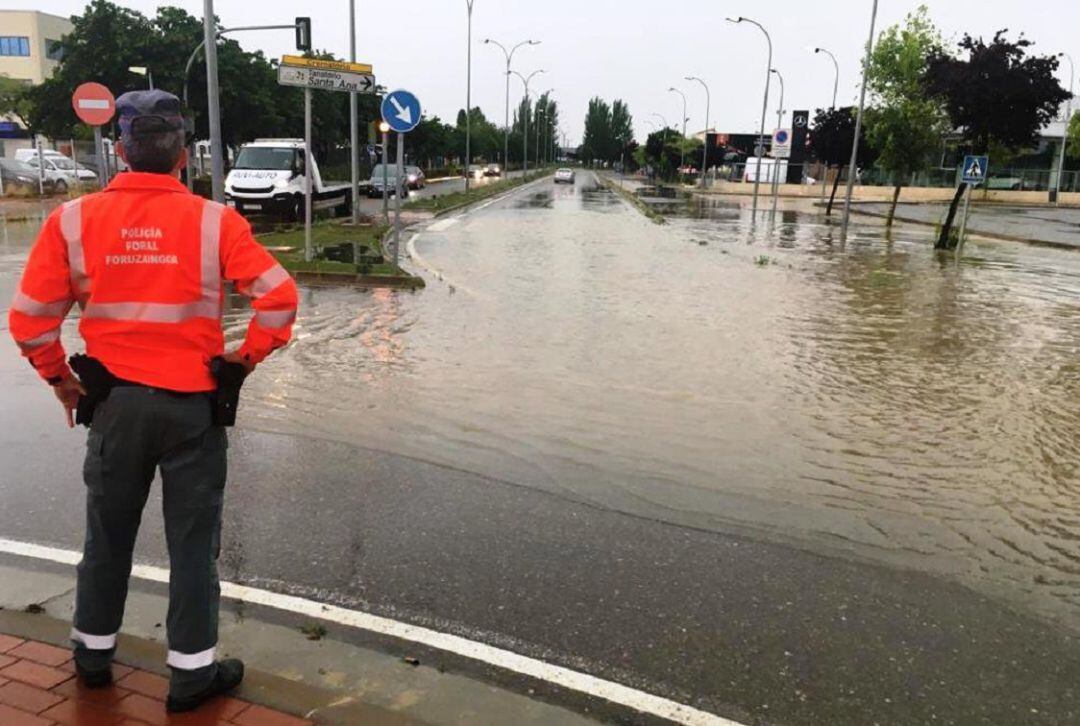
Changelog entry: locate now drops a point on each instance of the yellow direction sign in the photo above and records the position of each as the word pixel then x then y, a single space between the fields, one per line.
pixel 325 65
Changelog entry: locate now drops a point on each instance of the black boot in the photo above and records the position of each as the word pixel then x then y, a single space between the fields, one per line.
pixel 94 679
pixel 229 674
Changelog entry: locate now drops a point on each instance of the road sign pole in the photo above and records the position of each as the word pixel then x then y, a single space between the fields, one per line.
pixel 213 103
pixel 308 251
pixel 41 166
pixel 399 186
pixel 385 177
pixel 99 154
pixel 963 222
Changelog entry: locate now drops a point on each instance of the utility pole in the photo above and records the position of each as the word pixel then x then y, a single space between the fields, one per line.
pixel 858 129
pixel 213 102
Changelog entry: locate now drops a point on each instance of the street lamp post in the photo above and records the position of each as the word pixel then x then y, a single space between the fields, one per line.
pixel 836 77
pixel 1065 131
pixel 776 160
pixel 764 107
pixel 354 124
pixel 468 101
pixel 858 128
pixel 705 147
pixel 525 136
pixel 145 72
pixel 509 57
pixel 682 145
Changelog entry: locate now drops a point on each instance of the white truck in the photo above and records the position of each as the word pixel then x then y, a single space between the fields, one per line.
pixel 268 178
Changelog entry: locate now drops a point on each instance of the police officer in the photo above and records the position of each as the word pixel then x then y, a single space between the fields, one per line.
pixel 144 260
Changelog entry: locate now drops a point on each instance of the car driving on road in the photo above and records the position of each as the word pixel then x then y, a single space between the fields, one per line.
pixel 493 170
pixel 414 176
pixel 564 176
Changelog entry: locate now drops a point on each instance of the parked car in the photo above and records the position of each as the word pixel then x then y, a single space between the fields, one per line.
pixel 564 176
pixel 414 176
pixel 375 183
pixel 493 170
pixel 59 169
pixel 17 177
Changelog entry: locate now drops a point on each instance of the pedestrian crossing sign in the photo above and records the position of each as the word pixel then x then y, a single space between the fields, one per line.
pixel 975 169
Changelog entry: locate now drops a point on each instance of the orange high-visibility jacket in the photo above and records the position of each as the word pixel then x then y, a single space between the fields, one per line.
pixel 145 260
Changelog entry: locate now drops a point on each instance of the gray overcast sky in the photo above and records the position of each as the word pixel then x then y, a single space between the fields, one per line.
pixel 629 49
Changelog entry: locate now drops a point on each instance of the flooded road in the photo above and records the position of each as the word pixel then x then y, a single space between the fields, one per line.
pixel 706 376
pixel 879 400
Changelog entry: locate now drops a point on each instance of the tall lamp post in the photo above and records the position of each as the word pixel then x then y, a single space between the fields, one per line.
pixel 764 106
pixel 836 68
pixel 468 101
pixel 1065 131
pixel 509 58
pixel 682 146
pixel 858 128
pixel 705 147
pixel 525 136
pixel 776 160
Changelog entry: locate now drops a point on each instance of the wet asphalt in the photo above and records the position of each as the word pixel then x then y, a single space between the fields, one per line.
pixel 753 630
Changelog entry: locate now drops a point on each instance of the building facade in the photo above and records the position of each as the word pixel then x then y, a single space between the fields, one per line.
pixel 30 44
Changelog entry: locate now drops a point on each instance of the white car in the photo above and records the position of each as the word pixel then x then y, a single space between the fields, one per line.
pixel 59 169
pixel 564 176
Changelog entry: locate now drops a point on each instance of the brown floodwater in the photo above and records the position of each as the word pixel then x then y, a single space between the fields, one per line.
pixel 877 400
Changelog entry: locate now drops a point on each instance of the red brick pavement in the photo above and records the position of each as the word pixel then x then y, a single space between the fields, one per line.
pixel 38 688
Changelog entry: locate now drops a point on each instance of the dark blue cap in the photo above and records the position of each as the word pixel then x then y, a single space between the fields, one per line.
pixel 149 112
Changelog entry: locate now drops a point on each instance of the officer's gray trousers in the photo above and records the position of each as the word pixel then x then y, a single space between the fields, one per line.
pixel 136 431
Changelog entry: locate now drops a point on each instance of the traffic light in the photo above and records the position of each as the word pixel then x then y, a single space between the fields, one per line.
pixel 303 34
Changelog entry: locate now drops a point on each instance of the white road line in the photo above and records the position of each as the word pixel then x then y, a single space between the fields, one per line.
pixel 564 677
pixel 442 224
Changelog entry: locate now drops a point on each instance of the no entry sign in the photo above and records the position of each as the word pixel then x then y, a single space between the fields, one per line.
pixel 94 104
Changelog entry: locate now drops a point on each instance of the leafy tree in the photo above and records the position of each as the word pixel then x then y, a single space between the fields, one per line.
pixel 14 99
pixel 487 142
pixel 663 151
pixel 903 124
pixel 598 142
pixel 1074 135
pixel 998 96
pixel 831 136
pixel 622 128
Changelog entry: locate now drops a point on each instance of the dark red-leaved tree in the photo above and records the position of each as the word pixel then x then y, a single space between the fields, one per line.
pixel 997 95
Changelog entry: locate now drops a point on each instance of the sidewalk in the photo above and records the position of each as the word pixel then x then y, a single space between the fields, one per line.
pixel 38 687
pixel 295 670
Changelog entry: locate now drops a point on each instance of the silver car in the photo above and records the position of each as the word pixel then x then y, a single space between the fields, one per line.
pixel 564 176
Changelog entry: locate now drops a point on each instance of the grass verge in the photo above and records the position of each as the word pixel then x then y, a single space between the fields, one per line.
pixel 287 245
pixel 629 196
pixel 456 200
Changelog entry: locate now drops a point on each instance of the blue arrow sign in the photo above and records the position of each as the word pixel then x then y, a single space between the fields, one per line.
pixel 975 169
pixel 401 110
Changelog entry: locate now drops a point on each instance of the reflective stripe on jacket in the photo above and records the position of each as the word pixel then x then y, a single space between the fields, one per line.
pixel 145 260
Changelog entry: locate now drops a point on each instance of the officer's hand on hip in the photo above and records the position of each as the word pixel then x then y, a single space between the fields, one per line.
pixel 67 392
pixel 235 357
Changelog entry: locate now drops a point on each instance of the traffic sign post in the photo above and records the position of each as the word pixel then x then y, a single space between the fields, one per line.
pixel 95 105
pixel 781 144
pixel 972 173
pixel 401 111
pixel 326 75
